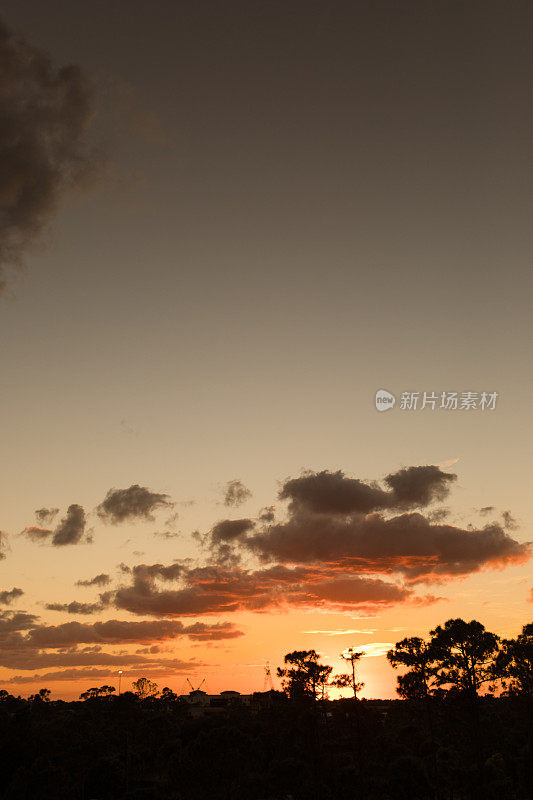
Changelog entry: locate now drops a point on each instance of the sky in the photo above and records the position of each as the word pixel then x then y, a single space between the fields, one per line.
pixel 223 228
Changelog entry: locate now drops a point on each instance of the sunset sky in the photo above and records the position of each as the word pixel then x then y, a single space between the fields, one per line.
pixel 224 226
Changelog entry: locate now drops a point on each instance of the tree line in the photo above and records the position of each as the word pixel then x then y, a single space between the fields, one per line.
pixel 461 729
pixel 458 657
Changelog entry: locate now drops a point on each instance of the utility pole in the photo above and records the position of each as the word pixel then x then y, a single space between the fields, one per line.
pixel 268 685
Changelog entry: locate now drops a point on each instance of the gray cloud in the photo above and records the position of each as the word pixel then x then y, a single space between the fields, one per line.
pixel 75 607
pixel 218 589
pixel 236 493
pixel 45 646
pixel 15 621
pixel 267 514
pixel 162 668
pixel 114 632
pixel 4 544
pixel 45 516
pixel 135 503
pixel 229 530
pixel 329 552
pixel 152 571
pixel 7 596
pixel 333 493
pixel 340 522
pixel 221 539
pixel 22 655
pixel 407 544
pixel 25 644
pixel 44 116
pixel 36 534
pixel 414 487
pixel 71 529
pixel 509 522
pixel 103 579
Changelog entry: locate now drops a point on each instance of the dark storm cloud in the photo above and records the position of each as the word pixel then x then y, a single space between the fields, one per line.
pixel 135 503
pixel 103 579
pixel 333 493
pixel 236 493
pixel 45 516
pixel 8 595
pixel 44 115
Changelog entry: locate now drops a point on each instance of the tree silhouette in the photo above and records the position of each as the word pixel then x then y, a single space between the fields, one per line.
pixel 95 691
pixel 514 664
pixel 168 695
pixel 465 654
pixel 418 656
pixel 440 744
pixel 144 687
pixel 42 696
pixel 305 677
pixel 347 680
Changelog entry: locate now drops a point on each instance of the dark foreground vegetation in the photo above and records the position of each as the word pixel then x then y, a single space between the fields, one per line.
pixel 445 740
pixel 122 747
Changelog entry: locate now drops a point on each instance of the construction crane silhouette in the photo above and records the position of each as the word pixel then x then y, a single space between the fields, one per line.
pixel 268 685
pixel 198 687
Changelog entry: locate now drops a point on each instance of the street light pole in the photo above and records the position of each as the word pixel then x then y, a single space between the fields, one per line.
pixel 119 678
